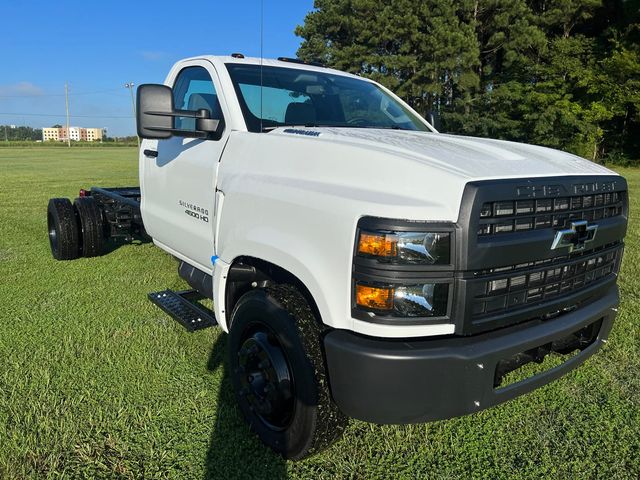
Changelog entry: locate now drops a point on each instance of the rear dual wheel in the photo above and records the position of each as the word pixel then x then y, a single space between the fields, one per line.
pixel 92 232
pixel 278 373
pixel 63 229
pixel 76 229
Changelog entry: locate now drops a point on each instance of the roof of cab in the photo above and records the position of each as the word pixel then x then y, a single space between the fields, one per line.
pixel 223 59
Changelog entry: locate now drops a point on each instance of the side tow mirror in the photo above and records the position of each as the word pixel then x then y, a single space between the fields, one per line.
pixel 156 114
pixel 154 111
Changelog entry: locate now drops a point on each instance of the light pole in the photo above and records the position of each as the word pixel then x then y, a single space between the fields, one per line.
pixel 130 86
pixel 66 100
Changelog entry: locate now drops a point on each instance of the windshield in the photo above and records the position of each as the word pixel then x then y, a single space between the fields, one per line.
pixel 295 97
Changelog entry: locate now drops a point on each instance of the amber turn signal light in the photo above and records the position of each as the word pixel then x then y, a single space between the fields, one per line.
pixel 374 297
pixel 378 244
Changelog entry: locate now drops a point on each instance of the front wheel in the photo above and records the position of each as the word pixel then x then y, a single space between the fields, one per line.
pixel 278 373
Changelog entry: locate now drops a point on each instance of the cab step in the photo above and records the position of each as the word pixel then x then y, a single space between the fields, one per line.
pixel 181 307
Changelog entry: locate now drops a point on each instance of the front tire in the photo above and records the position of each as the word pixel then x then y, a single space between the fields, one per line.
pixel 62 226
pixel 278 374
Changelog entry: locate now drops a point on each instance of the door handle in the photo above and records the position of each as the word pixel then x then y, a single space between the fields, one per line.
pixel 151 153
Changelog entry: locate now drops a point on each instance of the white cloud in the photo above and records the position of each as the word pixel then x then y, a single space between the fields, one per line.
pixel 21 89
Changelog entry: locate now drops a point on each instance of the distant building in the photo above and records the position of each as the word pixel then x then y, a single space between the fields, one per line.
pixel 51 134
pixel 94 134
pixel 75 134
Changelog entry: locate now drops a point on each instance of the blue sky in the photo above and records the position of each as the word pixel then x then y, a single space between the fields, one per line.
pixel 98 46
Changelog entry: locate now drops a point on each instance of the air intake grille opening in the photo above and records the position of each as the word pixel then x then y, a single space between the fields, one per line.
pixel 563 348
pixel 512 287
pixel 521 215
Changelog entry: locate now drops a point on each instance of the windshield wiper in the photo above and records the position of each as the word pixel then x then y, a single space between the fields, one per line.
pixel 307 125
pixel 391 127
pixel 346 125
pixel 337 125
pixel 379 127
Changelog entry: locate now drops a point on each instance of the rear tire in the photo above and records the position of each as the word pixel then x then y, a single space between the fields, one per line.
pixel 64 232
pixel 277 371
pixel 92 238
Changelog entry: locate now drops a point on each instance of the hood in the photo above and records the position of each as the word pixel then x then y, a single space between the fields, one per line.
pixel 466 157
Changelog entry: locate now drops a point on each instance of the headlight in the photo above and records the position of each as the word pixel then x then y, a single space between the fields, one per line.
pixel 424 300
pixel 403 271
pixel 411 248
pixel 427 300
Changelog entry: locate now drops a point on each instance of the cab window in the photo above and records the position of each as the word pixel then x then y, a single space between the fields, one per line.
pixel 272 97
pixel 272 103
pixel 194 90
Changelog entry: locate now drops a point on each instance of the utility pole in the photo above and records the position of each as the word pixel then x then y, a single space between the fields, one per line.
pixel 66 99
pixel 6 138
pixel 130 86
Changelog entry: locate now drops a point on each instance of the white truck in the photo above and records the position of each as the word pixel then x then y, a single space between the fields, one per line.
pixel 363 264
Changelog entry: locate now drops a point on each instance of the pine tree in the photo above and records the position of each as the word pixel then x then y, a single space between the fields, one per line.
pixel 562 73
pixel 423 51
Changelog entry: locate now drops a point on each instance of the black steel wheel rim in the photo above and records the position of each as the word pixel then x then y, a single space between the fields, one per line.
pixel 266 379
pixel 53 234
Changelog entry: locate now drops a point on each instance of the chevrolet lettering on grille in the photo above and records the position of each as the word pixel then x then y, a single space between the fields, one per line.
pixel 576 237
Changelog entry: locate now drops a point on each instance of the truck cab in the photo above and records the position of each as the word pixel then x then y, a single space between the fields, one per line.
pixel 364 264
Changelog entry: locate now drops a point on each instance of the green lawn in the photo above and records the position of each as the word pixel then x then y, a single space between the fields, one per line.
pixel 96 382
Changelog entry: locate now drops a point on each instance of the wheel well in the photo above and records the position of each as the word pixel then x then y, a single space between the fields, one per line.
pixel 247 273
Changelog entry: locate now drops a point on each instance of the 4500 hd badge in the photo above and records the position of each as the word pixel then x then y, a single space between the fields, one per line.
pixel 195 211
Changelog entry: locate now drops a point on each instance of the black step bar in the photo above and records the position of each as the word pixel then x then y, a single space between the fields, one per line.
pixel 181 307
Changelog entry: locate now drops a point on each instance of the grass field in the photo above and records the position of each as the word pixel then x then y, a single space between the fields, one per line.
pixel 95 382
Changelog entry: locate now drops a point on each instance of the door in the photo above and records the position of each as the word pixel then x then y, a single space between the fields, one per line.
pixel 179 185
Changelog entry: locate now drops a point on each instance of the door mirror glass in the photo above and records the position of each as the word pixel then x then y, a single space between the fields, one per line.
pixel 153 111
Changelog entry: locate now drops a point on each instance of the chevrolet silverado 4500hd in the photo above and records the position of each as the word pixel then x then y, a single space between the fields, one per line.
pixel 363 264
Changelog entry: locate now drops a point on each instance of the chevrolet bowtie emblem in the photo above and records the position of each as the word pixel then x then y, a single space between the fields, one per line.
pixel 575 237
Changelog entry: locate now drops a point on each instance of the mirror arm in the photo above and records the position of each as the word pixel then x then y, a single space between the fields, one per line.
pixel 178 131
pixel 182 113
pixel 205 125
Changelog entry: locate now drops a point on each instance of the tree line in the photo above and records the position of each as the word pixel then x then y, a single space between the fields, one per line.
pixel 23 133
pixel 13 133
pixel 560 73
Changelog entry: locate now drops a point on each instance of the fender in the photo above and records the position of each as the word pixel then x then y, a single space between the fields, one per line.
pixel 291 261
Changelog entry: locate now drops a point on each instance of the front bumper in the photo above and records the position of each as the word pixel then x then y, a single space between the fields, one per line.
pixel 388 381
